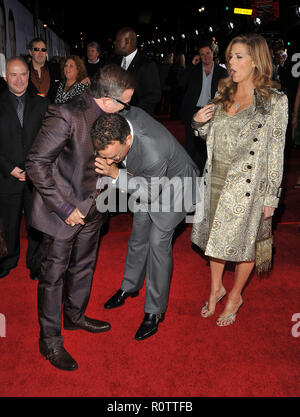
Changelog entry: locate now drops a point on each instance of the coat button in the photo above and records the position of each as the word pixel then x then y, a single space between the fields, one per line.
pixel 204 182
pixel 259 126
pixel 249 167
pixel 255 140
pixel 247 194
pixel 252 153
pixel 248 181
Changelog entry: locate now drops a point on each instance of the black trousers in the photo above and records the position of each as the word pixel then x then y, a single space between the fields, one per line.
pixel 66 277
pixel 11 209
pixel 195 146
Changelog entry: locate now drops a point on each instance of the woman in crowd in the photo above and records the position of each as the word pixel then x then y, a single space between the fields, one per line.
pixel 245 132
pixel 75 79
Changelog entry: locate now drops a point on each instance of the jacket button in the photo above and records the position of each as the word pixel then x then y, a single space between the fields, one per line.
pixel 252 153
pixel 249 167
pixel 248 181
pixel 247 194
pixel 259 126
pixel 255 140
pixel 204 182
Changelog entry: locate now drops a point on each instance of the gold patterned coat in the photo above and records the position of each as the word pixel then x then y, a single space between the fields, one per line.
pixel 253 180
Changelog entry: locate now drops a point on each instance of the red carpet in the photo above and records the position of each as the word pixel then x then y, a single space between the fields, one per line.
pixel 189 356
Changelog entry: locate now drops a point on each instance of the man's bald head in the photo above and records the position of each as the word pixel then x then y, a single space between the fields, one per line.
pixel 125 42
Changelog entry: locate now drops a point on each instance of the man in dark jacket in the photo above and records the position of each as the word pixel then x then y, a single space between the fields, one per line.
pixel 148 90
pixel 21 115
pixel 200 82
pixel 61 166
pixel 44 76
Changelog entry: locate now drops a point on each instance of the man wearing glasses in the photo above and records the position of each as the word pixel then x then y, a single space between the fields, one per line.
pixel 61 165
pixel 44 76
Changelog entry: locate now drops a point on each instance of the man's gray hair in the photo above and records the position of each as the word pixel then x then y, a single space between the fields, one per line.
pixel 111 81
pixel 94 44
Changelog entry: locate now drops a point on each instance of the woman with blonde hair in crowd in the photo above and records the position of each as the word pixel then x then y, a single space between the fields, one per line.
pixel 75 79
pixel 245 130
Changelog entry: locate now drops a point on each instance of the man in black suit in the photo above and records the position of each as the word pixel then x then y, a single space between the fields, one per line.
pixel 44 76
pixel 21 115
pixel 148 90
pixel 200 81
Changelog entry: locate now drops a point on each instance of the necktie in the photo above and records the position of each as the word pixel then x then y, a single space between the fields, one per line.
pixel 123 64
pixel 20 110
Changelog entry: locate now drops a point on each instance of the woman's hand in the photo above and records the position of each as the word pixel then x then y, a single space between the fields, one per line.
pixel 205 114
pixel 268 211
pixel 86 81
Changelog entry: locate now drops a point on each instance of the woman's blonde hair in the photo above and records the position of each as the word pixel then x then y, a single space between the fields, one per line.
pixel 260 54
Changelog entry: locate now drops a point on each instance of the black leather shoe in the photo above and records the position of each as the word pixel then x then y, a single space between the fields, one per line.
pixel 119 298
pixel 60 358
pixel 149 325
pixel 34 275
pixel 88 324
pixel 4 273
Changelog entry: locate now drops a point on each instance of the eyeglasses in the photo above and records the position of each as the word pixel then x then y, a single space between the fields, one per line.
pixel 126 105
pixel 116 158
pixel 40 49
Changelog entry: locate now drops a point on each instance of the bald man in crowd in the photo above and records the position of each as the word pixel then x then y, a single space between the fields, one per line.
pixel 148 90
pixel 21 115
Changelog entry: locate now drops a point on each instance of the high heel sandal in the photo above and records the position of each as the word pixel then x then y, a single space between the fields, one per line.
pixel 223 321
pixel 206 309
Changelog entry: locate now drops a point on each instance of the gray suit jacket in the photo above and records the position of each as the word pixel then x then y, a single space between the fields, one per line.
pixel 158 167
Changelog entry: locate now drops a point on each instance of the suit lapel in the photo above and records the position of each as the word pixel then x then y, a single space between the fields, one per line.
pixel 9 107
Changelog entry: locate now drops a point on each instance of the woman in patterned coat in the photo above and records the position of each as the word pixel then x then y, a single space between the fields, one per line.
pixel 75 79
pixel 245 132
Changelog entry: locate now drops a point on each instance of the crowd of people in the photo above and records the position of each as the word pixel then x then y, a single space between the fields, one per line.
pixel 73 129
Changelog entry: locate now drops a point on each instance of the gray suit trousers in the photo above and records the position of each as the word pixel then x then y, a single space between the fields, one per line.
pixel 149 253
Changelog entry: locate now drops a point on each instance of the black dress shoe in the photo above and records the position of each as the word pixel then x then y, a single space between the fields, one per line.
pixel 4 273
pixel 119 298
pixel 149 325
pixel 34 275
pixel 88 324
pixel 60 358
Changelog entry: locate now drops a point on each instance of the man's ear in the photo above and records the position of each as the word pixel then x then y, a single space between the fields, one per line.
pixel 129 140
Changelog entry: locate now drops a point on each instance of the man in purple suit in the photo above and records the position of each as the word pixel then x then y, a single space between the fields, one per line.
pixel 61 166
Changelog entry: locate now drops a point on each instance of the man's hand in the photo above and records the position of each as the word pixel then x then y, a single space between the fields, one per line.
pixel 75 218
pixel 103 168
pixel 19 173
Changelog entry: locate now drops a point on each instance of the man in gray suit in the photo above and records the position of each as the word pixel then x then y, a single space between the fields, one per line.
pixel 163 177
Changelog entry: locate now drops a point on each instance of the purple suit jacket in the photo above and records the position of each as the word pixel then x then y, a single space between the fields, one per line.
pixel 61 166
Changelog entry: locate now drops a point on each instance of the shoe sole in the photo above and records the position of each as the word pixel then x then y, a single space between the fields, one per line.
pixel 86 330
pixel 59 367
pixel 146 337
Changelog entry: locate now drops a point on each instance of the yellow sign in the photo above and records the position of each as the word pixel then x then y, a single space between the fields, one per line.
pixel 243 11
